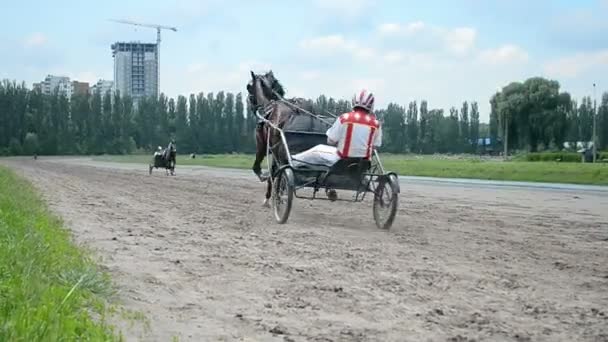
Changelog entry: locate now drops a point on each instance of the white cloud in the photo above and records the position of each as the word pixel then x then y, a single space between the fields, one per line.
pixel 36 39
pixel 573 66
pixel 364 53
pixel 460 40
pixel 336 43
pixel 389 28
pixel 393 57
pixel 506 54
pixel 398 29
pixel 414 27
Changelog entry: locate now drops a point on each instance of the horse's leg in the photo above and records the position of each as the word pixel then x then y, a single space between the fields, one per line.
pixel 269 188
pixel 260 153
pixel 266 203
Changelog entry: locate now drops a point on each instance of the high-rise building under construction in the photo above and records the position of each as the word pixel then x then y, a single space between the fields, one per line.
pixel 136 69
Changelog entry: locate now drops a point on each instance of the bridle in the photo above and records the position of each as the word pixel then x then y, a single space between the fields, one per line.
pixel 266 89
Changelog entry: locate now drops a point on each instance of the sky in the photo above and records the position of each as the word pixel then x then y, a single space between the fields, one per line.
pixel 445 52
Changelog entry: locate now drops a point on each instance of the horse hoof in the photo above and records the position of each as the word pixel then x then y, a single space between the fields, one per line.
pixel 263 177
pixel 332 195
pixel 266 203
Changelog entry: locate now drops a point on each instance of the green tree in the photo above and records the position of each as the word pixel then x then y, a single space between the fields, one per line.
pixel 493 125
pixel 424 123
pixel 585 117
pixel 250 124
pixel 602 123
pixel 80 109
pixel 14 147
pixel 239 123
pixel 193 123
pixel 127 130
pixel 558 125
pixel 164 126
pixel 218 142
pixel 31 144
pixel 474 130
pixel 573 124
pixel 465 136
pixel 182 138
pixel 510 105
pixel 436 132
pixel 394 128
pixel 453 131
pixel 541 101
pixel 94 129
pixel 230 140
pixel 171 117
pixel 106 122
pixel 412 126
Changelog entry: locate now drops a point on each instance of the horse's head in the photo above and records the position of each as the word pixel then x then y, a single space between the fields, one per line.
pixel 262 89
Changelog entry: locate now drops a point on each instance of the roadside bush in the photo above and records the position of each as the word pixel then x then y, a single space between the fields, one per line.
pixel 564 157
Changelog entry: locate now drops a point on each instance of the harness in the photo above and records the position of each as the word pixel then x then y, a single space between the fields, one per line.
pixel 266 110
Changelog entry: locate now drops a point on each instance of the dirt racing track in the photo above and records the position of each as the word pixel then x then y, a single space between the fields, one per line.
pixel 204 262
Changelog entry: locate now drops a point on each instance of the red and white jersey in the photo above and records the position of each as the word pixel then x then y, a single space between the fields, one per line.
pixel 356 133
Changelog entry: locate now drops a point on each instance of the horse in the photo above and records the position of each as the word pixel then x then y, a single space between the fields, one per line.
pixel 166 160
pixel 266 95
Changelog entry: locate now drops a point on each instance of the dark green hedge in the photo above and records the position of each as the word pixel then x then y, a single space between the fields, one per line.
pixel 564 157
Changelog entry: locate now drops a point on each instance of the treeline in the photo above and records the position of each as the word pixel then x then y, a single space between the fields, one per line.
pixel 538 117
pixel 534 115
pixel 419 129
pixel 31 122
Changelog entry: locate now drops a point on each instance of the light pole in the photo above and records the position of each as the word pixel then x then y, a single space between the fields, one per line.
pixel 594 123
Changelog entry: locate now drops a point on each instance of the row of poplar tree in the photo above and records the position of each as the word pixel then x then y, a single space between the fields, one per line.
pixel 539 117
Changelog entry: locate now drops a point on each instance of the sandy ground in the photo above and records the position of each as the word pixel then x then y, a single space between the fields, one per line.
pixel 200 257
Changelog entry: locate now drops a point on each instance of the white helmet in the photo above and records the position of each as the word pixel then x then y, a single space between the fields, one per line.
pixel 364 100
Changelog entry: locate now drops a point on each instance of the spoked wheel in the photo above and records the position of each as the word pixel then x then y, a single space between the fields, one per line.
pixel 282 195
pixel 386 198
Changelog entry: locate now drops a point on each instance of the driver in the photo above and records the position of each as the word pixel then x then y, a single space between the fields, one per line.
pixel 159 151
pixel 353 135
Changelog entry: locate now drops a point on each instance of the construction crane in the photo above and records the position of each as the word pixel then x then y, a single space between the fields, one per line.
pixel 158 28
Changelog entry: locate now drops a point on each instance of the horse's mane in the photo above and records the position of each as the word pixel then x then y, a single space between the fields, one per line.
pixel 275 84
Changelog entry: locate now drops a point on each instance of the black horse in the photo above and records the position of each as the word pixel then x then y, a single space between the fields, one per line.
pixel 165 159
pixel 266 97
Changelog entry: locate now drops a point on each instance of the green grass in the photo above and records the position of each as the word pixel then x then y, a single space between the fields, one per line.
pixel 495 170
pixel 433 166
pixel 50 290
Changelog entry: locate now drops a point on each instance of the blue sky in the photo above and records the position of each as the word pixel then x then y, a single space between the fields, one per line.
pixel 442 51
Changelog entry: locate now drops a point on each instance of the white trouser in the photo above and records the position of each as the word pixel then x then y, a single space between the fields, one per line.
pixel 318 155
